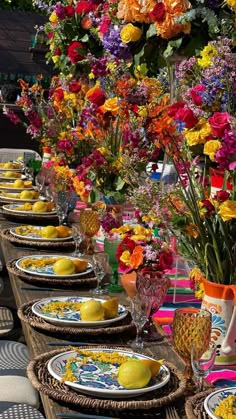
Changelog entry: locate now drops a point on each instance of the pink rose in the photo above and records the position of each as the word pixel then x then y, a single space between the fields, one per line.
pixel 196 94
pixel 187 116
pixel 220 121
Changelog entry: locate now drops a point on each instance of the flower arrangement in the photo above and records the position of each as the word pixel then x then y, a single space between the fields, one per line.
pixel 203 220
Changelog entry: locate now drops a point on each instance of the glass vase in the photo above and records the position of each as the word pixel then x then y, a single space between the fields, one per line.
pixel 110 248
pixel 152 287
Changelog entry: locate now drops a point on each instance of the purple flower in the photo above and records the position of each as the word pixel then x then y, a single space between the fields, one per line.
pixel 60 11
pixel 112 43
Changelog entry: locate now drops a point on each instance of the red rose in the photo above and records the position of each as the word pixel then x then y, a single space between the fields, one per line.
pixel 196 94
pixel 83 7
pixel 158 13
pixel 69 11
pixel 187 116
pixel 165 261
pixel 210 209
pixel 222 196
pixel 97 97
pixel 75 52
pixel 57 52
pixel 174 108
pixel 74 86
pixel 58 94
pixel 219 121
pixel 126 244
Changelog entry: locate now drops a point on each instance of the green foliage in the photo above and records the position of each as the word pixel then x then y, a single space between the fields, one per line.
pixel 23 5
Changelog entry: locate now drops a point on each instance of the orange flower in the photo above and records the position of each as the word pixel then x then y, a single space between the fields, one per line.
pixel 167 28
pixel 134 10
pixel 192 230
pixel 136 259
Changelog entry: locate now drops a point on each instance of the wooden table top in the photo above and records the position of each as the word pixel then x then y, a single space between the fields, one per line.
pixel 37 341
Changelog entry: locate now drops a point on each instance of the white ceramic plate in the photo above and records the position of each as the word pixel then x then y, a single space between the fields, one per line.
pixel 48 269
pixel 2 177
pixel 99 379
pixel 13 197
pixel 214 399
pixel 70 317
pixel 8 186
pixel 16 169
pixel 35 236
pixel 14 208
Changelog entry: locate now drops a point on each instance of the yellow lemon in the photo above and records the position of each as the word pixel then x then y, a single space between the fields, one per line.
pixel 26 195
pixel 18 183
pixel 8 165
pixel 153 365
pixel 133 374
pixel 64 266
pixel 91 310
pixel 12 174
pixel 80 265
pixel 110 308
pixel 49 232
pixel 39 206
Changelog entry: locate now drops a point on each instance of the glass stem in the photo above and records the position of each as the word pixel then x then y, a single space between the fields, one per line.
pixel 200 382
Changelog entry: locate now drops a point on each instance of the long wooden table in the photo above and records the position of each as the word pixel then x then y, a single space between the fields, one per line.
pixel 37 341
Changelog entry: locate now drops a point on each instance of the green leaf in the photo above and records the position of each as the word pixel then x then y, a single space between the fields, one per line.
pixel 85 38
pixel 138 56
pixel 172 45
pixel 119 183
pixel 151 31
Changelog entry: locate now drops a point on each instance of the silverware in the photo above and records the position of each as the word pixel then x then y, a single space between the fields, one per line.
pixel 171 413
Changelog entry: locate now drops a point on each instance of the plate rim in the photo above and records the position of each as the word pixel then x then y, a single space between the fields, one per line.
pixel 103 392
pixel 75 275
pixel 213 394
pixel 56 240
pixel 6 208
pixel 79 324
pixel 16 189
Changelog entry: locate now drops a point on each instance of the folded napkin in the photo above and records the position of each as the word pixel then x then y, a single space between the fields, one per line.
pixel 223 377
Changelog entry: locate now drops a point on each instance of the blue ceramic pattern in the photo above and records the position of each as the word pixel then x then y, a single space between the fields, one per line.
pixel 218 323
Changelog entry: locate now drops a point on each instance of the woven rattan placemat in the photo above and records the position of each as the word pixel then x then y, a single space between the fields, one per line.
pixel 31 218
pixel 41 379
pixel 124 326
pixel 47 244
pixel 194 405
pixel 85 279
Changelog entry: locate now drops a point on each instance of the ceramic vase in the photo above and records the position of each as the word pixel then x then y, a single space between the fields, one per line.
pixel 220 300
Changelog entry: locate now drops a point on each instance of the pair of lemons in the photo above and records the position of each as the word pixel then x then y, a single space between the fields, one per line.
pixel 65 266
pixel 136 373
pixel 93 310
pixel 51 232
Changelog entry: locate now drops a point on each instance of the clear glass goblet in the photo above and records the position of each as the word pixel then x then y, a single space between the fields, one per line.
pixel 139 318
pixel 39 182
pixel 62 209
pixel 100 262
pixel 78 238
pixel 202 362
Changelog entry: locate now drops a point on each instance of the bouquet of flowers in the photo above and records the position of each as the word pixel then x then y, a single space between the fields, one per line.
pixel 203 219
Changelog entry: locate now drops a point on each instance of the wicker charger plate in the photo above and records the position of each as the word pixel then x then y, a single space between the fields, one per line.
pixel 86 279
pixel 41 379
pixel 25 313
pixel 67 244
pixel 194 405
pixel 31 218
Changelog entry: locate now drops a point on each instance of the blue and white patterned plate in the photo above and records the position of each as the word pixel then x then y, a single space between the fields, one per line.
pixel 14 208
pixel 35 236
pixel 71 317
pixel 214 399
pixel 98 379
pixel 48 269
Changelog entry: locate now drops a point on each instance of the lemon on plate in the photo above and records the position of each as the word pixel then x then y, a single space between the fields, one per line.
pixel 8 165
pixel 26 195
pixel 133 374
pixel 39 206
pixel 110 308
pixel 18 183
pixel 12 174
pixel 64 266
pixel 91 310
pixel 49 232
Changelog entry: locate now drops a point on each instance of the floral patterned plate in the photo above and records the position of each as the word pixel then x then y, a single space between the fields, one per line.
pixel 97 378
pixel 213 400
pixel 47 270
pixel 70 316
pixel 9 186
pixel 14 208
pixel 35 236
pixel 15 197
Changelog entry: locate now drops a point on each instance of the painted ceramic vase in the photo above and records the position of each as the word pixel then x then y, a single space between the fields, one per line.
pixel 220 300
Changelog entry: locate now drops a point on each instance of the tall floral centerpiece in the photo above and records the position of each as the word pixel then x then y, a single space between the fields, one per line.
pixel 203 219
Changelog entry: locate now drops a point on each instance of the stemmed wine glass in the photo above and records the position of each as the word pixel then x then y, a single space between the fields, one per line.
pixel 78 238
pixel 100 263
pixel 62 209
pixel 39 182
pixel 191 326
pixel 202 362
pixel 139 318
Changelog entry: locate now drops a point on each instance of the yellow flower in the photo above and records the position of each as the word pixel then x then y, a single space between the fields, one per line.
pixel 91 76
pixel 55 59
pixel 104 152
pixel 139 238
pixel 71 97
pixel 198 134
pixel 53 18
pixel 211 147
pixel 232 4
pixel 130 33
pixel 207 54
pixel 142 111
pixel 125 257
pixel 111 105
pixel 227 210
